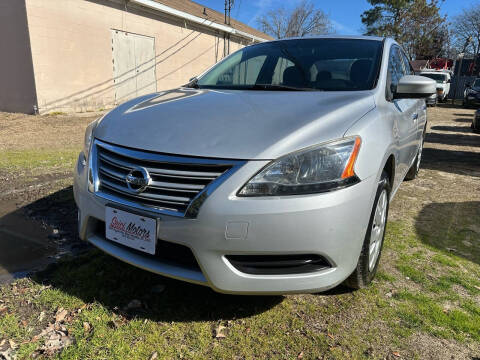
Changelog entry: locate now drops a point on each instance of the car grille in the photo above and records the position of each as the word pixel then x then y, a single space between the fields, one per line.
pixel 177 182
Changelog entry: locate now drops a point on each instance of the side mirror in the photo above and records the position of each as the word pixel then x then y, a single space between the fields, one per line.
pixel 415 87
pixel 449 81
pixel 468 85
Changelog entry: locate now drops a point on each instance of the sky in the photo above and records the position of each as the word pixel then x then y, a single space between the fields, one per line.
pixel 344 14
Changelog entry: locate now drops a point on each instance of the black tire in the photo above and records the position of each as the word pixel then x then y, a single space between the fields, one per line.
pixel 364 273
pixel 415 168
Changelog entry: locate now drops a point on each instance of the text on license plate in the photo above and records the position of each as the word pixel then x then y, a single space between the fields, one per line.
pixel 135 231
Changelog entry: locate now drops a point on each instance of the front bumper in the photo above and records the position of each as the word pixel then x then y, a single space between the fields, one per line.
pixel 431 100
pixel 332 225
pixel 472 100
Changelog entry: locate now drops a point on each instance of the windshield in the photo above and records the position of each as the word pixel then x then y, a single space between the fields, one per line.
pixel 439 78
pixel 476 83
pixel 304 64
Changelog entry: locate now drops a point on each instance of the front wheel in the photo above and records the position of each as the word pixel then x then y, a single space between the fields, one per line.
pixel 372 245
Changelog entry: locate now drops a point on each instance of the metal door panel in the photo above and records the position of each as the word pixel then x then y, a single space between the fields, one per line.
pixel 124 75
pixel 145 65
pixel 133 65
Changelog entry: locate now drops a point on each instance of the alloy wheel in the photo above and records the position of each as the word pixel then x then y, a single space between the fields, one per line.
pixel 378 229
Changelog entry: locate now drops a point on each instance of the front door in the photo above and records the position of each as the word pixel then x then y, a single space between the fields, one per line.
pixel 404 113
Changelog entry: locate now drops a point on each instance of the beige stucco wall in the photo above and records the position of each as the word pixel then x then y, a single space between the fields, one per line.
pixel 72 50
pixel 17 86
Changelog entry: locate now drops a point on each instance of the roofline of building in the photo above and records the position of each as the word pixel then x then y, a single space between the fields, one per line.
pixel 196 19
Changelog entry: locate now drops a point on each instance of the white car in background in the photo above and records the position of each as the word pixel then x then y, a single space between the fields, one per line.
pixel 443 79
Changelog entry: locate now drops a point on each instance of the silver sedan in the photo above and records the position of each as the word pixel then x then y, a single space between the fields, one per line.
pixel 271 172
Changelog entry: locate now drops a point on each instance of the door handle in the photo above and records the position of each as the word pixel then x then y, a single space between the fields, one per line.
pixel 414 116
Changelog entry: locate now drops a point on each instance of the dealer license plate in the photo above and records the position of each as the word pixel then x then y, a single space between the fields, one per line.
pixel 135 231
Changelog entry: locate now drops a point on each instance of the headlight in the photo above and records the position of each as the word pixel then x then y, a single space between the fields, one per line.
pixel 89 138
pixel 317 169
pixel 87 145
pixel 472 92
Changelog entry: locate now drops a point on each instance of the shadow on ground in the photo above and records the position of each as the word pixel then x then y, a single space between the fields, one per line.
pixel 461 161
pixel 46 228
pixel 454 139
pixel 462 129
pixel 95 277
pixel 34 235
pixel 451 227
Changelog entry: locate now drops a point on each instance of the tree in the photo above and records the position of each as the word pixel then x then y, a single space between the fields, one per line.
pixel 303 20
pixel 416 24
pixel 466 26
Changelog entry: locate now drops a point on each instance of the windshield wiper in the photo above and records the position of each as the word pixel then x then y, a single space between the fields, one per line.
pixel 279 87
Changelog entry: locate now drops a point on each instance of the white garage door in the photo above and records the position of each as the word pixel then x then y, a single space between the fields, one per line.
pixel 133 65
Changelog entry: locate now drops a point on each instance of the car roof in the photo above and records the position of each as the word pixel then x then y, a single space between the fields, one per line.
pixel 353 37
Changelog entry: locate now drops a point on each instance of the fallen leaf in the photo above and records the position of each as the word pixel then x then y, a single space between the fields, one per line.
pixel 330 336
pixel 396 354
pixel 86 327
pixel 114 324
pixel 61 315
pixel 41 316
pixel 300 356
pixel 2 342
pixel 3 309
pixel 476 287
pixel 24 323
pixel 219 332
pixel 8 355
pixel 154 356
pixel 12 344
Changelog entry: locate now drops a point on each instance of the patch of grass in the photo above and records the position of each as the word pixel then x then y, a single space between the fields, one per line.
pixel 10 328
pixel 56 113
pixel 444 260
pixel 52 299
pixel 383 276
pixel 413 273
pixel 37 159
pixel 418 311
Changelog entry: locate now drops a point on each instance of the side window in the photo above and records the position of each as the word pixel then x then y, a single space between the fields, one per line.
pixel 244 73
pixel 282 64
pixel 395 70
pixel 406 62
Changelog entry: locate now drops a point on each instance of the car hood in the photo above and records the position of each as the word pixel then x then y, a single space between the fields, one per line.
pixel 236 124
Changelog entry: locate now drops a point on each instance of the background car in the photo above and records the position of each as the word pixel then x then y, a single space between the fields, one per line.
pixel 476 122
pixel 472 94
pixel 432 100
pixel 443 80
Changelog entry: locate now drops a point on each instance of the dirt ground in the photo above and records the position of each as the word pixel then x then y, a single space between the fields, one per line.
pixel 431 259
